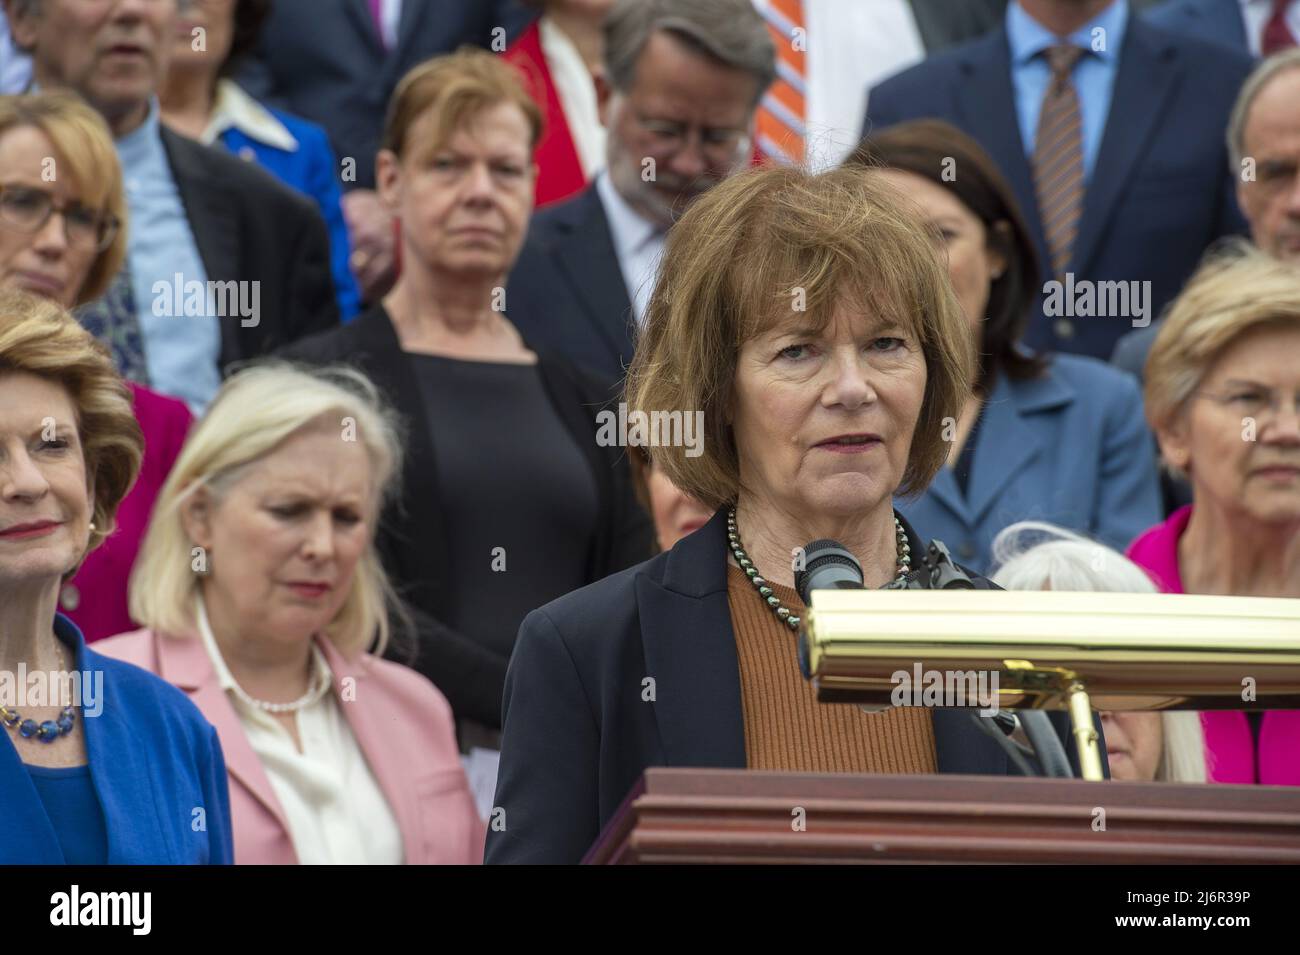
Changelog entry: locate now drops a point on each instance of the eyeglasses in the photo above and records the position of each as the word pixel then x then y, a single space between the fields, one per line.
pixel 1276 175
pixel 1251 402
pixel 670 136
pixel 28 209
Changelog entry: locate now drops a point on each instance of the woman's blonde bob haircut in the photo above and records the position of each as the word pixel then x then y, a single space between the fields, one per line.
pixel 255 411
pixel 85 156
pixel 1236 290
pixel 454 89
pixel 39 337
pixel 743 258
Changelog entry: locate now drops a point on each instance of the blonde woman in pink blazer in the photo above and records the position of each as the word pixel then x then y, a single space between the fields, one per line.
pixel 263 595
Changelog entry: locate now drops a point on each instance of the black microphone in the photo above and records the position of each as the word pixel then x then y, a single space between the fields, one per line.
pixel 827 565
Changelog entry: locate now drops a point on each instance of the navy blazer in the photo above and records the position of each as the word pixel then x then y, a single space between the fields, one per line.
pixel 157 768
pixel 1214 21
pixel 577 733
pixel 1161 190
pixel 324 60
pixel 1070 447
pixel 566 291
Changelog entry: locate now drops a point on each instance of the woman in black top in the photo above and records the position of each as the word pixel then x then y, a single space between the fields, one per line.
pixel 508 500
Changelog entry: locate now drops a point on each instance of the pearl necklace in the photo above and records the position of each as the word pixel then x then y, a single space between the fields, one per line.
pixel 769 596
pixel 307 699
pixel 322 680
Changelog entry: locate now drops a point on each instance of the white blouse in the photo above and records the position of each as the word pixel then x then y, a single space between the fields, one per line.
pixel 335 810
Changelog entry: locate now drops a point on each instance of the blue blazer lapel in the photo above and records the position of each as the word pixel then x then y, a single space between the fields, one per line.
pixel 1148 69
pixel 690 651
pixel 1006 442
pixel 986 105
pixel 26 835
pixel 123 774
pixel 119 769
pixel 944 490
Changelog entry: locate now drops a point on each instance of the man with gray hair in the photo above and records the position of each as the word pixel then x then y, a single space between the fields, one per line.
pixel 1264 149
pixel 681 81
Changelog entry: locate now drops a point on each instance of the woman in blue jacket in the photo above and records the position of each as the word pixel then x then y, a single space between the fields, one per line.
pixel 101 762
pixel 199 100
pixel 1058 438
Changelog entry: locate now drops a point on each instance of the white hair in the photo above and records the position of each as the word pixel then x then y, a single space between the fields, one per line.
pixel 1035 555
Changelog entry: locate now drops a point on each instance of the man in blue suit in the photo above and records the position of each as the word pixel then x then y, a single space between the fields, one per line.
pixel 1258 27
pixel 1135 171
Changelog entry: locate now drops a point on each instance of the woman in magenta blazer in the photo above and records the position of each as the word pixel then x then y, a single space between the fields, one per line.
pixel 1223 395
pixel 262 593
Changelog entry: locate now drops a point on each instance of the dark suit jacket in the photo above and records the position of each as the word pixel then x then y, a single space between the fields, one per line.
pixel 251 228
pixel 1160 191
pixel 944 23
pixel 1214 21
pixel 323 60
pixel 412 534
pixel 578 734
pixel 566 291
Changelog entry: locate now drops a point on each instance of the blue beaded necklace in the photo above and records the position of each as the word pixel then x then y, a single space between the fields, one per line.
pixel 47 731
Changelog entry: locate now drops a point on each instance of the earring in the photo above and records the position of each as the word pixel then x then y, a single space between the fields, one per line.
pixel 92 525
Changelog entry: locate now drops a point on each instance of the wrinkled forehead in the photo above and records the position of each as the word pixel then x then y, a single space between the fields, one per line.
pixel 857 309
pixel 30 402
pixel 1267 354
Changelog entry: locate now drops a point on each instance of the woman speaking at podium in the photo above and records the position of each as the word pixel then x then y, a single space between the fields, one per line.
pixel 808 324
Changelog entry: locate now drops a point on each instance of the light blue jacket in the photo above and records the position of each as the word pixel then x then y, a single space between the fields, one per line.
pixel 1071 447
pixel 157 769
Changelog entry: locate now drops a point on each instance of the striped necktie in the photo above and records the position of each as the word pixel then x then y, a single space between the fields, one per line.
pixel 1058 159
pixel 780 119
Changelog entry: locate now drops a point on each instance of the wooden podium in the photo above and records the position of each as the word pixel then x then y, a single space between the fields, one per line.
pixel 738 816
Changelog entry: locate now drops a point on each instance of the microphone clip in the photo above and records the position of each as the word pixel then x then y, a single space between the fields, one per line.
pixel 938 571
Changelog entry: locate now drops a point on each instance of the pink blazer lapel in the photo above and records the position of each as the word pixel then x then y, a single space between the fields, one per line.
pixel 376 742
pixel 183 661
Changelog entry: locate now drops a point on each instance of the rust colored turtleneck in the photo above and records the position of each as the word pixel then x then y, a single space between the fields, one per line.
pixel 786 728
